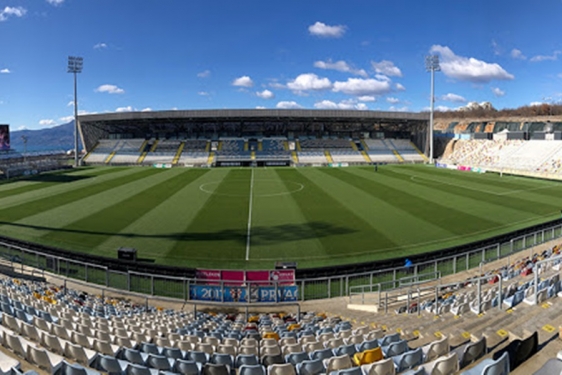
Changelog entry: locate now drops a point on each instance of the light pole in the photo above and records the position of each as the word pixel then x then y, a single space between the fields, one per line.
pixel 75 66
pixel 432 65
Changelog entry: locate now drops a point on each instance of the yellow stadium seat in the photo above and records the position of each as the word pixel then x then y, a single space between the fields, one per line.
pixel 270 335
pixel 293 327
pixel 368 356
pixel 254 319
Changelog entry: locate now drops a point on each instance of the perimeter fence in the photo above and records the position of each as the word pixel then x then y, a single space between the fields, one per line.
pixel 351 285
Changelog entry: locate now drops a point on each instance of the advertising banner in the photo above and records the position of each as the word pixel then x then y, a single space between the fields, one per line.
pixel 267 294
pixel 4 137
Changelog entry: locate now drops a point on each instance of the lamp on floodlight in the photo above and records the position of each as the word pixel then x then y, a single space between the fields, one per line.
pixel 75 65
pixel 432 65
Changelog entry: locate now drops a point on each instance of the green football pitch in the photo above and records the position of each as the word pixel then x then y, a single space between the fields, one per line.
pixel 250 218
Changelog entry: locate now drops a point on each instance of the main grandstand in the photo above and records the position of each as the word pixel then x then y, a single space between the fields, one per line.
pixel 253 137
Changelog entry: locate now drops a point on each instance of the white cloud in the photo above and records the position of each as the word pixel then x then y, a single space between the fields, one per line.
pixel 110 89
pixel 265 94
pixel 147 109
pixel 517 54
pixel 387 68
pixel 124 109
pixel 309 81
pixel 326 31
pixel 468 68
pixel 243 81
pixel 533 104
pixel 70 103
pixel 498 92
pixel 47 122
pixel 552 57
pixel 398 109
pixel 204 74
pixel 66 119
pixel 22 127
pixel 203 93
pixel 55 2
pixel 340 66
pixel 260 107
pixel 344 104
pixel 450 97
pixel 366 98
pixel 400 87
pixel 8 12
pixel 288 105
pixel 392 100
pixel 5 71
pixel 277 85
pixel 100 46
pixel 496 48
pixel 362 87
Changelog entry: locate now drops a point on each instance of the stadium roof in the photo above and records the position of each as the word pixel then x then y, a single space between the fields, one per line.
pixel 257 113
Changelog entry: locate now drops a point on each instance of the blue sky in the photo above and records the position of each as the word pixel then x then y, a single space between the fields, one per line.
pixel 177 54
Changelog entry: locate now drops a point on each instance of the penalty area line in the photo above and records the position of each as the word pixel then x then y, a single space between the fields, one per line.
pixel 250 216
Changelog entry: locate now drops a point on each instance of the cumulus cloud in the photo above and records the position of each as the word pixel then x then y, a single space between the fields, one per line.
pixel 260 107
pixel 398 109
pixel 8 12
pixel 340 66
pixel 124 109
pixel 100 46
pixel 243 81
pixel 47 122
pixel 468 68
pixel 203 93
pixel 288 105
pixel 450 97
pixel 204 74
pixel 147 109
pixel 498 92
pixel 344 104
pixel 325 31
pixel 534 104
pixel 552 57
pixel 362 87
pixel 309 81
pixel 265 94
pixel 392 100
pixel 110 89
pixel 55 2
pixel 400 87
pixel 386 68
pixel 5 71
pixel 517 54
pixel 366 98
pixel 22 127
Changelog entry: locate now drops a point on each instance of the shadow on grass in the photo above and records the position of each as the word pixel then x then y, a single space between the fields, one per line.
pixel 264 235
pixel 55 177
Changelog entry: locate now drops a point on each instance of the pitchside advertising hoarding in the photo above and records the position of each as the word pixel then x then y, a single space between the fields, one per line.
pixel 4 137
pixel 244 286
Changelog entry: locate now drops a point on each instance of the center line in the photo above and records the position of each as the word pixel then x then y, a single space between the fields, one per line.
pixel 250 216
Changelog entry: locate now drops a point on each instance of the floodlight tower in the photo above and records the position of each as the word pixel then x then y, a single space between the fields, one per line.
pixel 432 65
pixel 75 64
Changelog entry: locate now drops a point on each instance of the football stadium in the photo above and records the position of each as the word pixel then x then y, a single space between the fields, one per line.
pixel 248 208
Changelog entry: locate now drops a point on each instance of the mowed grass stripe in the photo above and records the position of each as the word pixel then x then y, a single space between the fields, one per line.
pixel 510 204
pixel 97 228
pixel 218 232
pixel 364 198
pixel 47 180
pixel 157 236
pixel 63 188
pixel 35 226
pixel 34 207
pixel 280 231
pixel 335 225
pixel 419 201
pixel 524 191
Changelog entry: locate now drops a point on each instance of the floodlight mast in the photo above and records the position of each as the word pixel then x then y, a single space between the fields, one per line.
pixel 75 65
pixel 432 65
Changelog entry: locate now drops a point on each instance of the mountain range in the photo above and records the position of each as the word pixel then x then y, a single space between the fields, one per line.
pixel 60 137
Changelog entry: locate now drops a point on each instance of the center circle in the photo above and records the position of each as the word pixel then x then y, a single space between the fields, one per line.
pixel 263 188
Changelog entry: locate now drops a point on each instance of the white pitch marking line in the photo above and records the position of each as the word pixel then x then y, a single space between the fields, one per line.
pixel 250 216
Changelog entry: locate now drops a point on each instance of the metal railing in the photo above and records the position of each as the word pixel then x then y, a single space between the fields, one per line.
pixel 376 281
